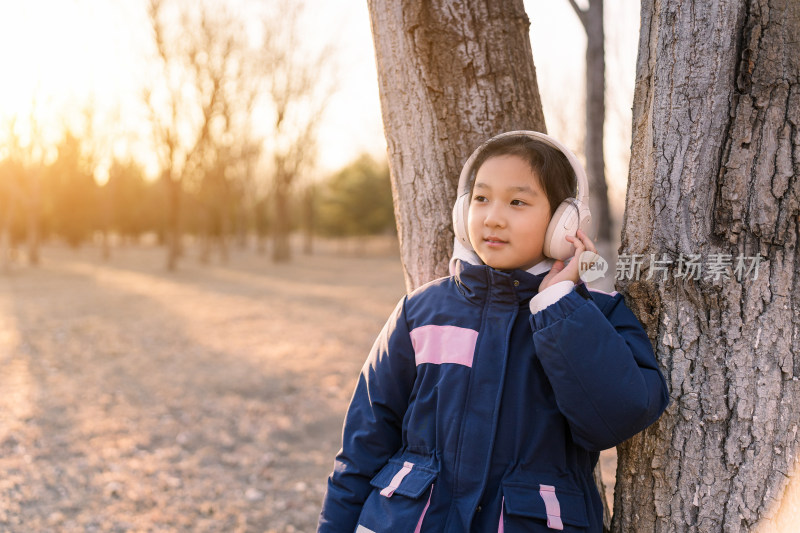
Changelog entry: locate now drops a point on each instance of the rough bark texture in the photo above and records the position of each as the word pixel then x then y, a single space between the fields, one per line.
pixel 716 156
pixel 451 74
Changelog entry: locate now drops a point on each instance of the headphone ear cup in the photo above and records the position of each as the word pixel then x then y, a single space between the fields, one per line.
pixel 460 216
pixel 564 222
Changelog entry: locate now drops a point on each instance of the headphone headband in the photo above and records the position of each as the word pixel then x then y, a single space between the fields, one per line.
pixel 580 173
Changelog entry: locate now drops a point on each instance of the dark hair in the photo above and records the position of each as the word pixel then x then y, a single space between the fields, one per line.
pixel 549 164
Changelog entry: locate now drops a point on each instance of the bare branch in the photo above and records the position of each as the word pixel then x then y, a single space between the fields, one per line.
pixel 578 11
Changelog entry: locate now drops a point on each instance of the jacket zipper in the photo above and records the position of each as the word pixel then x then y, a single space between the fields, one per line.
pixel 457 462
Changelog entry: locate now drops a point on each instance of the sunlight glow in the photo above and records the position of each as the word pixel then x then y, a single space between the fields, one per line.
pixel 65 58
pixel 787 511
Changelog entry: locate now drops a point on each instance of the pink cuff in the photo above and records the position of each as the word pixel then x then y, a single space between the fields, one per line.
pixel 550 295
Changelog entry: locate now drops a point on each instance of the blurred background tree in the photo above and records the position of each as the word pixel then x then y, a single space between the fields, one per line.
pixel 22 188
pixel 128 197
pixel 357 200
pixel 193 97
pixel 13 201
pixel 215 69
pixel 591 18
pixel 71 194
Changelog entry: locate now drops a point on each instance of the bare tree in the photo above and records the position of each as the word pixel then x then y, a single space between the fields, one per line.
pixel 288 164
pixel 227 175
pixel 206 136
pixel 195 51
pixel 23 186
pixel 591 18
pixel 716 156
pixel 248 144
pixel 13 201
pixel 299 84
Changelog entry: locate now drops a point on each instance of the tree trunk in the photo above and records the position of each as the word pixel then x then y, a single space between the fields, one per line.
pixel 105 197
pixel 6 216
pixel 592 18
pixel 224 234
pixel 174 223
pixel 34 215
pixel 281 224
pixel 205 245
pixel 309 195
pixel 596 119
pixel 716 155
pixel 451 74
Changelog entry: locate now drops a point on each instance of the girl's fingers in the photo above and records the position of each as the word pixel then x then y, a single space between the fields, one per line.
pixel 586 241
pixel 577 243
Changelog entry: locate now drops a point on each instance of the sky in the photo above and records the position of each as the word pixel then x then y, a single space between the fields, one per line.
pixel 68 52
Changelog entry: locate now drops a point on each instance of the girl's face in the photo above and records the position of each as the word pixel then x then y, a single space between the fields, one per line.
pixel 508 214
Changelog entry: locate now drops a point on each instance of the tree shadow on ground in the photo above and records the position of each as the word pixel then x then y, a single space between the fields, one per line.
pixel 144 413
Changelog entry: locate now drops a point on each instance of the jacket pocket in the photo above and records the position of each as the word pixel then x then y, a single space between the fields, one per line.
pixel 401 495
pixel 542 508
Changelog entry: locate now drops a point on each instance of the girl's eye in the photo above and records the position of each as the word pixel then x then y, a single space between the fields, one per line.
pixel 518 202
pixel 478 198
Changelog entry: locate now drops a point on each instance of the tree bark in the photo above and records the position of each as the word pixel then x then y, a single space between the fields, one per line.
pixel 716 155
pixel 451 74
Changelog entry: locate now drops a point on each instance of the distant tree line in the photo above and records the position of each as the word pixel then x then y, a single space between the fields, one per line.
pixel 356 200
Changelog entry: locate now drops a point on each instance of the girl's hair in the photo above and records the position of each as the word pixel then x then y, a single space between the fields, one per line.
pixel 549 164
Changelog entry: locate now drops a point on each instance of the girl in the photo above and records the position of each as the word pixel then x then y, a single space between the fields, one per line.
pixel 488 395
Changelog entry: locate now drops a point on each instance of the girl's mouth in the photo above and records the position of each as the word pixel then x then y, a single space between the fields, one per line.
pixel 494 242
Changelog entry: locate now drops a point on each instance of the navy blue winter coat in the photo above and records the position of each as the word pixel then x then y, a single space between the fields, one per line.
pixel 472 415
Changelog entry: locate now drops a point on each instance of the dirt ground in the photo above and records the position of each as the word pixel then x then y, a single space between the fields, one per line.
pixel 211 399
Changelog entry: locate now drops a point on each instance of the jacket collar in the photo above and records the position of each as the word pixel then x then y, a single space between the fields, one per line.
pixel 479 282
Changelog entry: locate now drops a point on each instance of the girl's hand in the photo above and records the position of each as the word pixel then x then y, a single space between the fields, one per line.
pixel 561 273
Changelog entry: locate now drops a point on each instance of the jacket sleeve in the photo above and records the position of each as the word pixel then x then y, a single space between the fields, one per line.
pixel 373 424
pixel 601 366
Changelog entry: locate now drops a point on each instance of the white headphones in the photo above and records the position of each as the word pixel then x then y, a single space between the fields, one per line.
pixel 572 213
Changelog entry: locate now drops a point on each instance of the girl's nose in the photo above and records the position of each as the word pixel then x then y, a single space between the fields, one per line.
pixel 494 217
